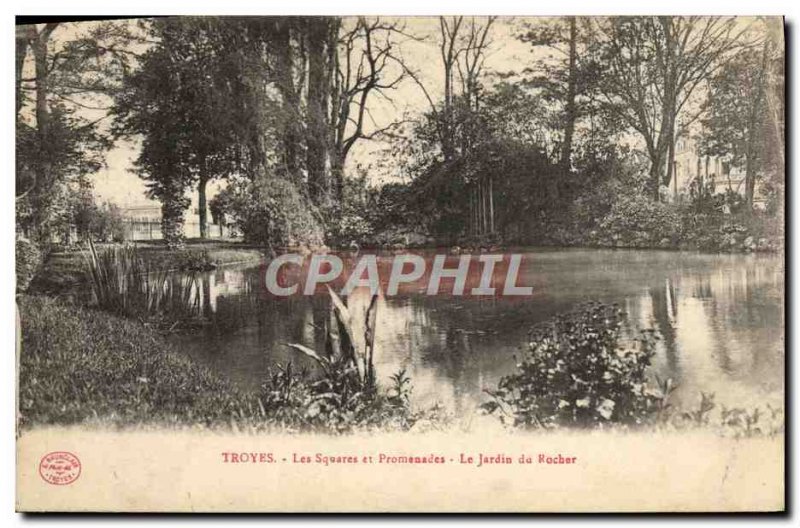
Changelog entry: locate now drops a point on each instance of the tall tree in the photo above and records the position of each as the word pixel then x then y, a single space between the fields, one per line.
pixel 181 95
pixel 653 67
pixel 321 34
pixel 563 73
pixel 66 69
pixel 455 121
pixel 737 122
pixel 367 67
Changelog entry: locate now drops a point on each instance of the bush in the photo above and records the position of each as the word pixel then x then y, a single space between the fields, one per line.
pixel 576 373
pixel 348 227
pixel 28 260
pixel 298 401
pixel 638 221
pixel 108 223
pixel 193 260
pixel 742 231
pixel 272 212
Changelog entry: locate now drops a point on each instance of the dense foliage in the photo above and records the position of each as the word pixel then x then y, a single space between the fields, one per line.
pixel 62 69
pixel 271 212
pixel 577 372
pixel 28 260
pixel 49 177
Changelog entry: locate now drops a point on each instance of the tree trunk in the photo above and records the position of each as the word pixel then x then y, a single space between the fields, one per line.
pixel 749 181
pixel 473 224
pixel 448 61
pixel 318 126
pixel 42 115
pixel 666 135
pixel 669 178
pixel 570 110
pixel 337 176
pixel 483 207
pixel 291 103
pixel 754 130
pixel 21 51
pixel 201 206
pixel 491 206
pixel 656 174
pixel 41 170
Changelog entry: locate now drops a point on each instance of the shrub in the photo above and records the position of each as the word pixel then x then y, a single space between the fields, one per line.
pixel 349 226
pixel 299 401
pixel 742 231
pixel 108 223
pixel 28 260
pixel 577 373
pixel 700 230
pixel 638 221
pixel 193 260
pixel 272 212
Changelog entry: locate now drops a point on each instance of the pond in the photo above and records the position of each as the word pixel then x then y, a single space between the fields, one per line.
pixel 720 319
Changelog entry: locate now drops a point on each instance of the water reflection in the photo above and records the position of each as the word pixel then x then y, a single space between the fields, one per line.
pixel 719 317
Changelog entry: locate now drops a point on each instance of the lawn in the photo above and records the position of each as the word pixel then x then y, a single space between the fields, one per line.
pixel 79 365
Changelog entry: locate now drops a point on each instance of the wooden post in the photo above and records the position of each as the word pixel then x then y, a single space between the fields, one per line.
pixel 483 207
pixel 491 205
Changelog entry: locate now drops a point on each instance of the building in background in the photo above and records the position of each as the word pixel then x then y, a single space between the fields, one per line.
pixel 143 222
pixel 691 165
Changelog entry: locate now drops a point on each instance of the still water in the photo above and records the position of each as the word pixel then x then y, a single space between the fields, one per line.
pixel 720 319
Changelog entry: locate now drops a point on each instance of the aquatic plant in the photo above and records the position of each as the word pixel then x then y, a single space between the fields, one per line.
pixel 344 392
pixel 122 282
pixel 342 355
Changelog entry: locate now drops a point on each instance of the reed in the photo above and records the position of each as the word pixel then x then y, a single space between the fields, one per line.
pixel 122 282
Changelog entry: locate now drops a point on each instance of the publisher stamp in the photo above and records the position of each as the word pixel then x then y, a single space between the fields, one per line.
pixel 60 468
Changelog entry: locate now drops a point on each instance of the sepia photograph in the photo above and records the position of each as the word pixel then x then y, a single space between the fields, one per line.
pixel 400 264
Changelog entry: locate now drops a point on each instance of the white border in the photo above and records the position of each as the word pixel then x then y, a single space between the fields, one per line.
pixel 263 7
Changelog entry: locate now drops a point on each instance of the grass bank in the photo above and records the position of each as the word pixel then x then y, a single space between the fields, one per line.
pixel 63 271
pixel 78 365
pixel 82 366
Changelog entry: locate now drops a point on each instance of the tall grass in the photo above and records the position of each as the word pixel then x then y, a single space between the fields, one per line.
pixel 122 282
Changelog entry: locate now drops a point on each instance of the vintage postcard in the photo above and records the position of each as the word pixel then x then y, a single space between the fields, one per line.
pixel 400 264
